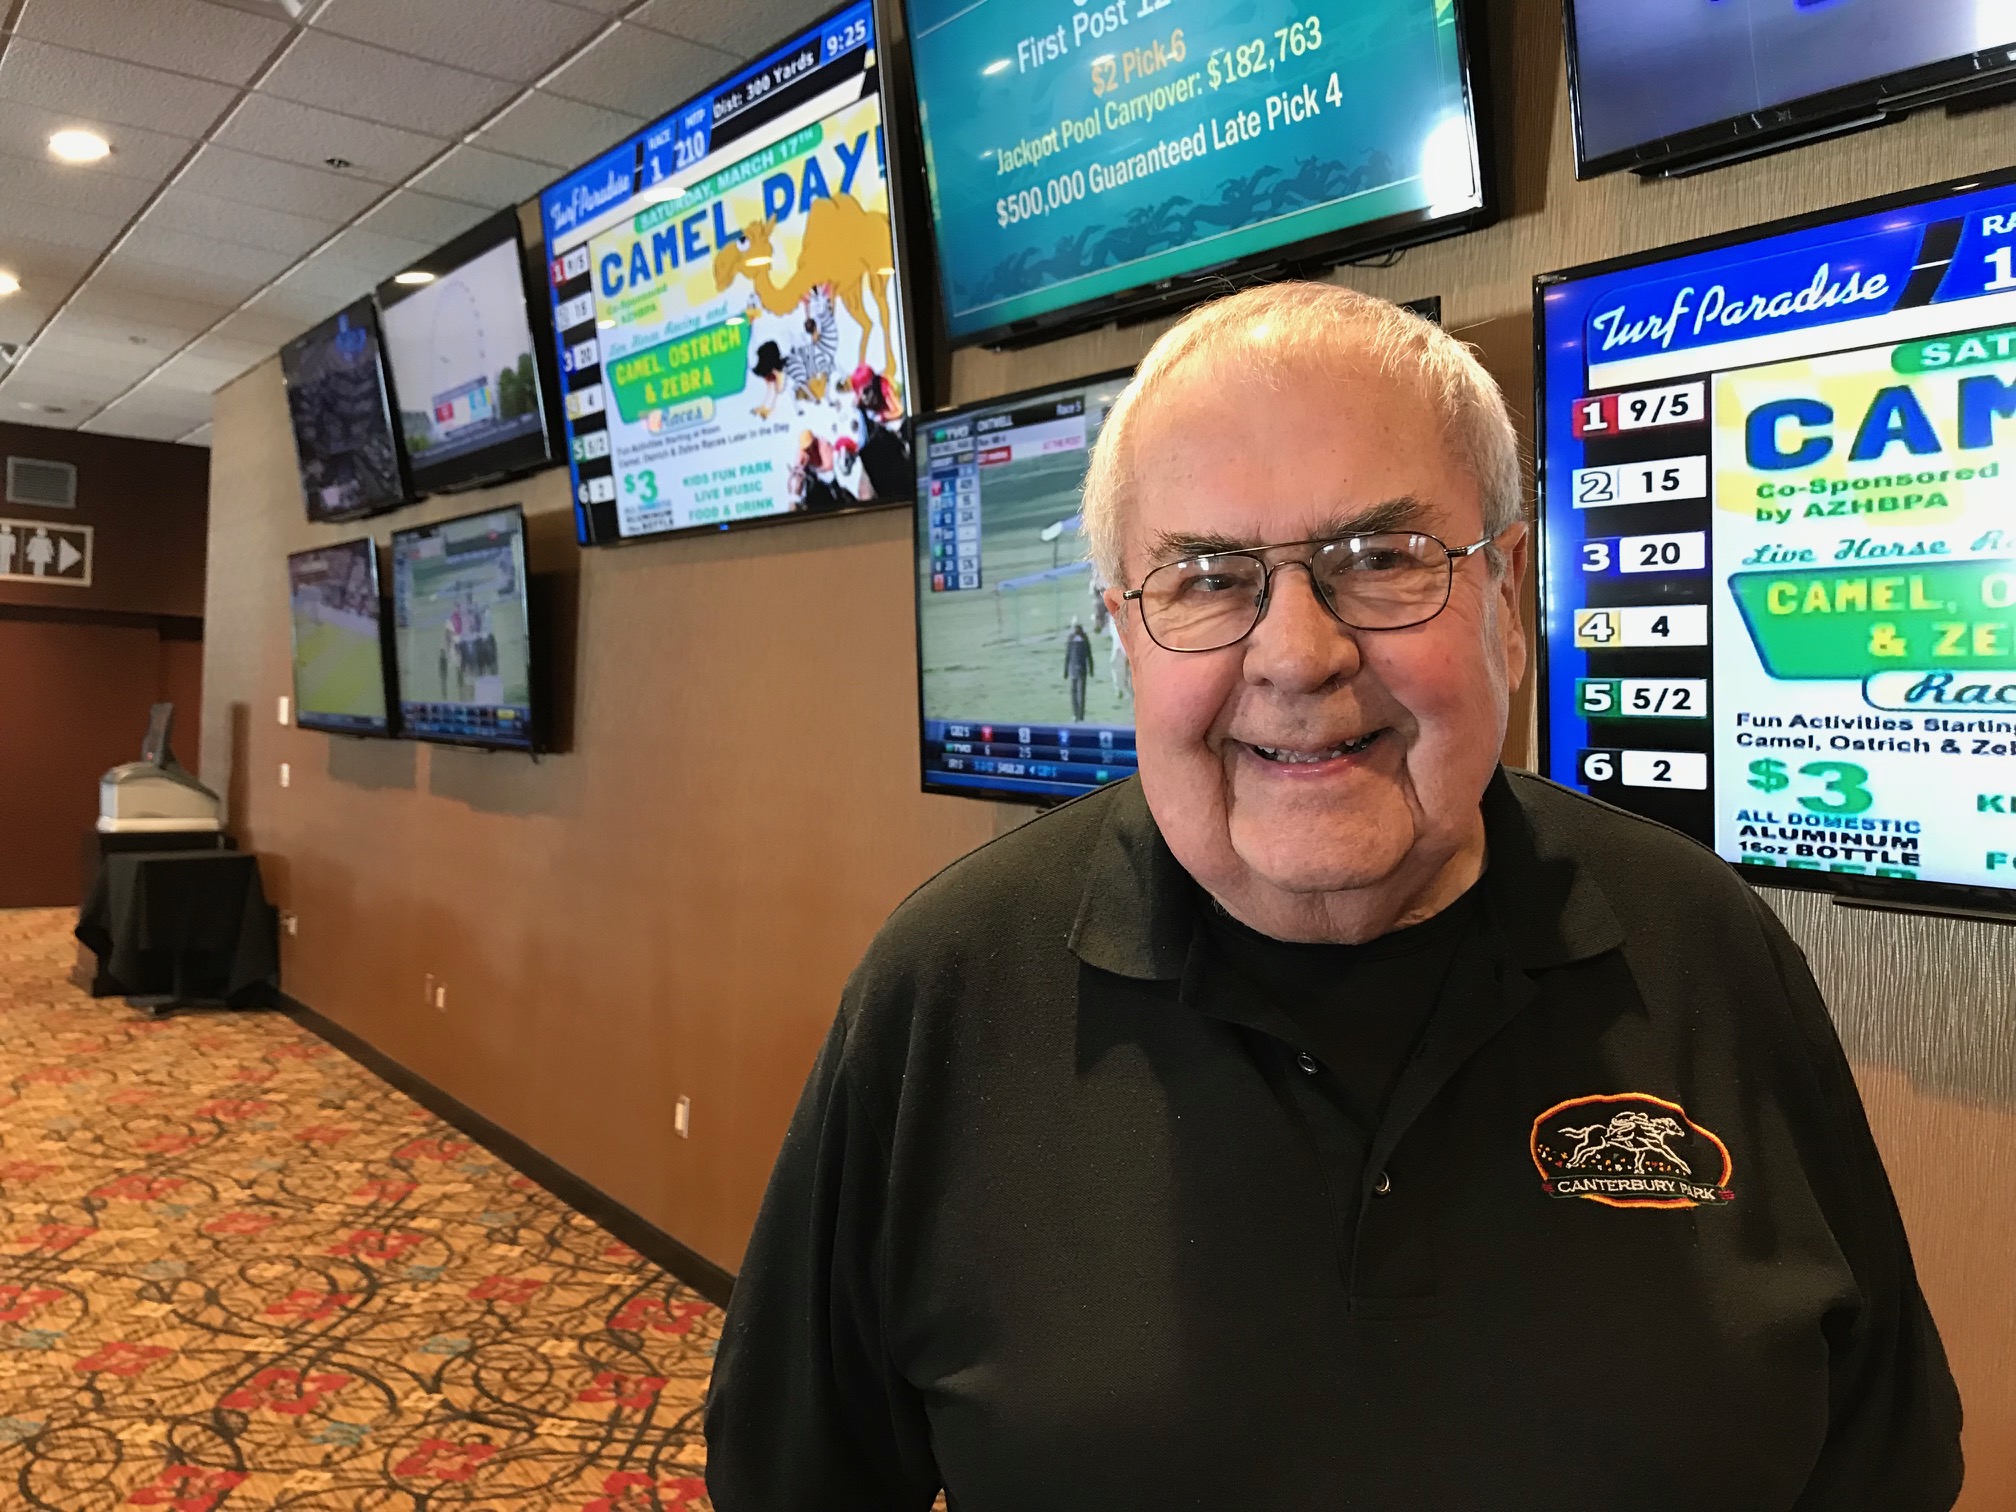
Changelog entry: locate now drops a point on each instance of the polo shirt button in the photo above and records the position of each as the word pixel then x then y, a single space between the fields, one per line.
pixel 1383 1185
pixel 1308 1063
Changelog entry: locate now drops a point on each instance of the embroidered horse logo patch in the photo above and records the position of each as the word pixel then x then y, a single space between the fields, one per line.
pixel 1630 1149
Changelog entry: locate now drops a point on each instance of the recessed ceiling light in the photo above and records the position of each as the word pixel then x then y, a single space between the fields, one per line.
pixel 413 277
pixel 9 284
pixel 43 409
pixel 78 146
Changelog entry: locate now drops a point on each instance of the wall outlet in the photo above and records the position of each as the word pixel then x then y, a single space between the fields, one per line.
pixel 286 709
pixel 290 921
pixel 682 1117
pixel 441 997
pixel 286 774
pixel 427 991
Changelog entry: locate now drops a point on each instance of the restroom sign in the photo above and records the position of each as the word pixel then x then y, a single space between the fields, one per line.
pixel 34 552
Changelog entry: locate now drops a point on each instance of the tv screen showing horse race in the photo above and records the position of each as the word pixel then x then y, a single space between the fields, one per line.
pixel 339 645
pixel 1778 589
pixel 726 300
pixel 1025 688
pixel 462 632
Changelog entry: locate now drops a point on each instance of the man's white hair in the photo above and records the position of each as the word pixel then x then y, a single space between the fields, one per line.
pixel 1283 329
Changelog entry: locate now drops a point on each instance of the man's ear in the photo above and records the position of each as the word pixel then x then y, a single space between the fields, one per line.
pixel 1513 546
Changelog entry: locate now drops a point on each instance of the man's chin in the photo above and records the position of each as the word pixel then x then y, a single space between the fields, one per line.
pixel 1304 862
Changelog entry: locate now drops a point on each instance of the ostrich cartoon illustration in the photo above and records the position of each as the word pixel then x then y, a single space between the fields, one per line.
pixel 845 246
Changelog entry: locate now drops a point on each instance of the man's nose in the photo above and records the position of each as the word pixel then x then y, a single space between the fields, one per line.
pixel 1299 645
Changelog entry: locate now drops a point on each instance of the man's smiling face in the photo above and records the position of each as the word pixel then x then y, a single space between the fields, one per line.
pixel 1320 781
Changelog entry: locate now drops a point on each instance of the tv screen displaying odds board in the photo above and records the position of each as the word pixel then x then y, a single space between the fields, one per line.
pixel 728 307
pixel 1778 591
pixel 1025 689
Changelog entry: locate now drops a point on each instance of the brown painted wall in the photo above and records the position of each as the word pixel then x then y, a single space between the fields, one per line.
pixel 148 505
pixel 79 666
pixel 673 907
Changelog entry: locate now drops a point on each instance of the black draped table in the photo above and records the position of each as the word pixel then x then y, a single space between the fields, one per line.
pixel 175 928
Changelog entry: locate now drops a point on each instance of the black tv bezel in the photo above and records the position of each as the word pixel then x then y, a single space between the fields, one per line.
pixel 1960 899
pixel 900 259
pixel 491 464
pixel 387 675
pixel 940 417
pixel 534 743
pixel 1874 101
pixel 1305 258
pixel 364 308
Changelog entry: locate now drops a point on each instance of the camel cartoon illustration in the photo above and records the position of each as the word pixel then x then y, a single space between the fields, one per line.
pixel 1636 1134
pixel 845 246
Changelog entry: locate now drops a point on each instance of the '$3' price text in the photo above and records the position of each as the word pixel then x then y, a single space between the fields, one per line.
pixel 1844 786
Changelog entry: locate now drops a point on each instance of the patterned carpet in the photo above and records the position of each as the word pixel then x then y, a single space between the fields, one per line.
pixel 238 1271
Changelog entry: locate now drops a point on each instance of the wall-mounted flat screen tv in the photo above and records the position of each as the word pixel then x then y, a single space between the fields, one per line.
pixel 462 629
pixel 475 400
pixel 1023 686
pixel 1096 162
pixel 1677 85
pixel 1778 565
pixel 341 409
pixel 726 291
pixel 339 640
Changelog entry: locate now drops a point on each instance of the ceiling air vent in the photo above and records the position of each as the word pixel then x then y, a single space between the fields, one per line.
pixel 46 485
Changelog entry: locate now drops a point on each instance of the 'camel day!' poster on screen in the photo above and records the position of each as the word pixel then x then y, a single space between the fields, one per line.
pixel 751 340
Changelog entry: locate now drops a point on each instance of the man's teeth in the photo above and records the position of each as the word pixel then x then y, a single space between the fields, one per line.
pixel 1349 747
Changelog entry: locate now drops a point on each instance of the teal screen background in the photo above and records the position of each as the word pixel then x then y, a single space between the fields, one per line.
pixel 1359 159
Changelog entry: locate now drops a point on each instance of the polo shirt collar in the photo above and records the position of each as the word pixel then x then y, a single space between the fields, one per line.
pixel 1138 912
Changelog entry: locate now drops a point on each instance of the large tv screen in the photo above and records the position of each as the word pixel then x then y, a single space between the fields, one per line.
pixel 339 640
pixel 1778 586
pixel 1692 82
pixel 1023 685
pixel 473 401
pixel 462 631
pixel 726 294
pixel 1097 160
pixel 341 410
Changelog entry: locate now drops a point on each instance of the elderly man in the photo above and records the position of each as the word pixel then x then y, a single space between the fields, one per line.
pixel 1328 1120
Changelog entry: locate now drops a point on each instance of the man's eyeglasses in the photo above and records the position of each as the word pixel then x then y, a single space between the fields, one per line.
pixel 1369 582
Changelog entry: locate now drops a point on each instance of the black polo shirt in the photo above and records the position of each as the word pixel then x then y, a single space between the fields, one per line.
pixel 1063 1224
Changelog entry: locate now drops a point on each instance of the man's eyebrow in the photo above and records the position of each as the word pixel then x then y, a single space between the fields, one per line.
pixel 1404 513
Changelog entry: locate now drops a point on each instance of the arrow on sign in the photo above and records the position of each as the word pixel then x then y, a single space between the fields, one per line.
pixel 67 556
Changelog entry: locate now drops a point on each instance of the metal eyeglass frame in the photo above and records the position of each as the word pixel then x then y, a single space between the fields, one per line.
pixel 1454 554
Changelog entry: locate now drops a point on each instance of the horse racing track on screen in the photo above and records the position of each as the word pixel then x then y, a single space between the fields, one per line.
pixel 238 1271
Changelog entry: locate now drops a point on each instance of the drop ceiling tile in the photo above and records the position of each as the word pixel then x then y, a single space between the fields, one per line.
pixel 303 134
pixel 57 227
pixel 273 185
pixel 508 39
pixel 114 313
pixel 155 243
pixel 190 373
pixel 25 130
pixel 22 315
pixel 198 437
pixel 44 268
pixel 641 72
pixel 260 328
pixel 291 303
pixel 485 178
pixel 558 132
pixel 325 278
pixel 144 422
pixel 740 31
pixel 360 80
pixel 600 7
pixel 181 209
pixel 185 35
pixel 109 90
pixel 26 387
pixel 219 290
pixel 374 254
pixel 31 181
pixel 63 337
pixel 86 368
pixel 422 217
